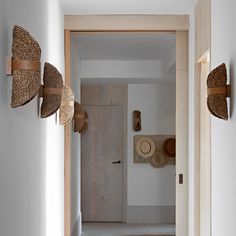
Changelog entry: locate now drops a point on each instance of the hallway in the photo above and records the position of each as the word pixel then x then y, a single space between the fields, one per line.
pixel 120 229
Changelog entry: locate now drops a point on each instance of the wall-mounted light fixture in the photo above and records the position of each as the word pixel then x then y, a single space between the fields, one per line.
pixel 80 118
pixel 24 66
pixel 66 110
pixel 51 91
pixel 218 91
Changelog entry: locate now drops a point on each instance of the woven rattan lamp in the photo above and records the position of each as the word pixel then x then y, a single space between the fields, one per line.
pixel 24 66
pixel 66 110
pixel 80 118
pixel 51 91
pixel 218 91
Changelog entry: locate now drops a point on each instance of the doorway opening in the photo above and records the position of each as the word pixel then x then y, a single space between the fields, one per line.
pixel 138 23
pixel 120 73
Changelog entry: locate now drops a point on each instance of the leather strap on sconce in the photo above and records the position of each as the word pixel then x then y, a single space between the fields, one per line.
pixel 49 91
pixel 18 64
pixel 220 91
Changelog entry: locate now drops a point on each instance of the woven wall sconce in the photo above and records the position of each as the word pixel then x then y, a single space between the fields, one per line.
pixel 66 110
pixel 25 67
pixel 137 121
pixel 51 91
pixel 80 118
pixel 218 91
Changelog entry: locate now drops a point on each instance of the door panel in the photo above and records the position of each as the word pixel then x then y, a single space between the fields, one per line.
pixel 102 144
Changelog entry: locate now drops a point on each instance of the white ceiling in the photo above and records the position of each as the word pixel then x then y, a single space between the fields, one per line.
pixel 128 6
pixel 129 57
pixel 125 46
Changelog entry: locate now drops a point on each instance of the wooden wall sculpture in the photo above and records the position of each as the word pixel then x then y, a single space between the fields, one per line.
pixel 137 121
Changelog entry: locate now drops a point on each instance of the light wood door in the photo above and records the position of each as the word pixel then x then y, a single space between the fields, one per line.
pixel 102 145
pixel 205 156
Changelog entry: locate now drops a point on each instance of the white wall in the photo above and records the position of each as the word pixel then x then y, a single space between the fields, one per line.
pixel 223 132
pixel 31 149
pixel 101 69
pixel 75 148
pixel 148 186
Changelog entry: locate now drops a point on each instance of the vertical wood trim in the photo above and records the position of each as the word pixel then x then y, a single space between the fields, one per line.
pixel 205 155
pixel 182 132
pixel 202 18
pixel 67 146
pixel 125 154
pixel 202 27
pixel 197 150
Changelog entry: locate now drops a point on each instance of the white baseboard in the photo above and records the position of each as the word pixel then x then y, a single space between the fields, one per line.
pixel 151 214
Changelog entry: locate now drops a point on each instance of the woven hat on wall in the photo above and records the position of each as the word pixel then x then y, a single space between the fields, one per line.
pixel 218 91
pixel 51 90
pixel 66 110
pixel 145 147
pixel 168 147
pixel 25 67
pixel 80 118
pixel 158 160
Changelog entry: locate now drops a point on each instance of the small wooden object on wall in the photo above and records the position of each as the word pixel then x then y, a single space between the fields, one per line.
pixel 218 91
pixel 80 118
pixel 137 121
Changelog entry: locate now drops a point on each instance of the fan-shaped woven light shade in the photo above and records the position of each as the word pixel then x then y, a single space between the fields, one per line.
pixel 217 92
pixel 25 66
pixel 80 118
pixel 52 90
pixel 66 111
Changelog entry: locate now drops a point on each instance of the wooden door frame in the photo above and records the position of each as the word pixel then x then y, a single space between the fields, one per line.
pixel 204 58
pixel 135 23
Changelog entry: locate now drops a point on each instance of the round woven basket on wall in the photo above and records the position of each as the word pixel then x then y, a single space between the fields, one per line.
pixel 159 159
pixel 66 110
pixel 52 90
pixel 26 67
pixel 145 147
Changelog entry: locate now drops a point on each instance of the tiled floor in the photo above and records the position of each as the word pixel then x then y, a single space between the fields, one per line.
pixel 119 229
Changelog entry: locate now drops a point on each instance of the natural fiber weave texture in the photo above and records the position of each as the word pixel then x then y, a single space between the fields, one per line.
pixel 52 78
pixel 217 103
pixel 26 83
pixel 80 123
pixel 66 111
pixel 159 159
